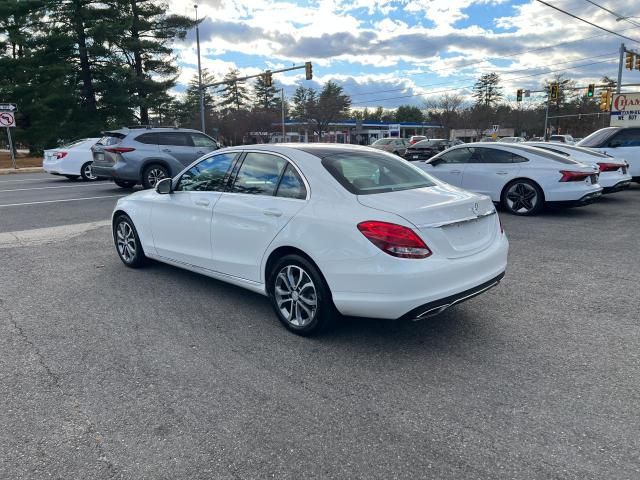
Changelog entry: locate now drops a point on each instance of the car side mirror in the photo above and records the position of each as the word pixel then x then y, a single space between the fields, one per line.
pixel 164 186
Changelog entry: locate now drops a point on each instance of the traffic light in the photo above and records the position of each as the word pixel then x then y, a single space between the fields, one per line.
pixel 591 90
pixel 268 80
pixel 605 100
pixel 308 70
pixel 629 61
pixel 554 91
pixel 519 95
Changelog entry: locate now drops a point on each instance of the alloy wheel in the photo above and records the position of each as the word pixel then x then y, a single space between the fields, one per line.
pixel 154 175
pixel 126 241
pixel 296 296
pixel 522 198
pixel 88 172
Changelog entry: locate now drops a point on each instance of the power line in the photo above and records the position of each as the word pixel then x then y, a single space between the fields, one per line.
pixel 464 79
pixel 587 21
pixel 617 15
pixel 471 86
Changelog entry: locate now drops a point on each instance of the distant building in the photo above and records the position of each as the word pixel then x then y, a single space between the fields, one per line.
pixel 361 132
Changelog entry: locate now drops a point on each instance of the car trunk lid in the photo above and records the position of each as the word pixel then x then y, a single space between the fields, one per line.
pixel 452 222
pixel 101 157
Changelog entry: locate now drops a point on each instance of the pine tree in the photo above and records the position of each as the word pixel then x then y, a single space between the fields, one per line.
pixel 265 97
pixel 234 95
pixel 487 90
pixel 143 33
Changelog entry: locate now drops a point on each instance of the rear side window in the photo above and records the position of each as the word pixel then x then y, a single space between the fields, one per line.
pixel 176 139
pixel 495 155
pixel 368 173
pixel 148 138
pixel 598 138
pixel 259 174
pixel 291 185
pixel 629 137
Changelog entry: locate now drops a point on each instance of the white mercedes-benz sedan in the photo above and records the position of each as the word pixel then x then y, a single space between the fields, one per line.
pixel 320 229
pixel 614 172
pixel 519 177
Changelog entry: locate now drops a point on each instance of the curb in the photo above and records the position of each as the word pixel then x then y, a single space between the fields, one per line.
pixel 9 171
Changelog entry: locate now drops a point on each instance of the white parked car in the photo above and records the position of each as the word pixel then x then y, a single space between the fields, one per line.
pixel 73 160
pixel 511 140
pixel 319 228
pixel 620 142
pixel 562 139
pixel 614 173
pixel 521 178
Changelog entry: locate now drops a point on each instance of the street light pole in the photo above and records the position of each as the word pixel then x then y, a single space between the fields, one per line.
pixel 200 88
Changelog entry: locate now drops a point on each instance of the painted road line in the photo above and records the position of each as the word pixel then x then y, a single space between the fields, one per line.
pixel 59 201
pixel 46 188
pixel 41 236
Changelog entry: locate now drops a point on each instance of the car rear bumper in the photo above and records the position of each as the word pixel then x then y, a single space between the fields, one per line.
pixel 584 200
pixel 119 171
pixel 617 187
pixel 58 167
pixel 381 291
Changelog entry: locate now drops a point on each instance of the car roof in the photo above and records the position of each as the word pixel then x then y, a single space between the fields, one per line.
pixel 127 130
pixel 319 150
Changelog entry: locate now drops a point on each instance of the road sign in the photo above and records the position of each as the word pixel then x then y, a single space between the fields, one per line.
pixel 625 110
pixel 8 107
pixel 7 119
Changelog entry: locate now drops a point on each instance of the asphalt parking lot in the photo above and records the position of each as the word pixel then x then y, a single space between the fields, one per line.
pixel 107 372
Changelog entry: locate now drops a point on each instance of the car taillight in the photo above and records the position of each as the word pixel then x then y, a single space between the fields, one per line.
pixel 119 149
pixel 60 155
pixel 609 167
pixel 569 176
pixel 395 240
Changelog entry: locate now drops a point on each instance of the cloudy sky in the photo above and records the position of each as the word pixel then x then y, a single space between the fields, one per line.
pixel 392 52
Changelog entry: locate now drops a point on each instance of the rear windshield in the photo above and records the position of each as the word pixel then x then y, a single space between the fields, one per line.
pixel 597 138
pixel 571 148
pixel 365 173
pixel 556 157
pixel 74 143
pixel 110 138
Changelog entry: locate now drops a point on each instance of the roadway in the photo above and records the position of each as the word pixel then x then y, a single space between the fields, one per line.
pixel 39 200
pixel 108 372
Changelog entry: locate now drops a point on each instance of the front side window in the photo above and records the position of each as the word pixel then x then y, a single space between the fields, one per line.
pixel 368 173
pixel 208 175
pixel 259 174
pixel 291 185
pixel 459 155
pixel 200 140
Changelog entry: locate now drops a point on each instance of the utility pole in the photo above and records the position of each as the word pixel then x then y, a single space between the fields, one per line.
pixel 200 88
pixel 619 84
pixel 546 117
pixel 284 135
pixel 13 153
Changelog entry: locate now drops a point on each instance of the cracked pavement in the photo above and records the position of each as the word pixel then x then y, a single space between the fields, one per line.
pixel 160 373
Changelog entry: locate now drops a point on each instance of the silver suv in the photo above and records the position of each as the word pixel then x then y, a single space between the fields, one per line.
pixel 146 155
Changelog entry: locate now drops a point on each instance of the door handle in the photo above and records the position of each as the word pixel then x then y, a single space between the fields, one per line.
pixel 456 171
pixel 272 212
pixel 166 150
pixel 501 173
pixel 204 203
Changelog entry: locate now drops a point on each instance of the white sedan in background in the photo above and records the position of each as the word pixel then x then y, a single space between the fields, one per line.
pixel 521 178
pixel 319 228
pixel 614 172
pixel 73 160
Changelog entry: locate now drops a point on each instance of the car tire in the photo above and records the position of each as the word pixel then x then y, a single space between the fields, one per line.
pixel 152 174
pixel 72 177
pixel 522 197
pixel 125 183
pixel 300 296
pixel 127 242
pixel 86 173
